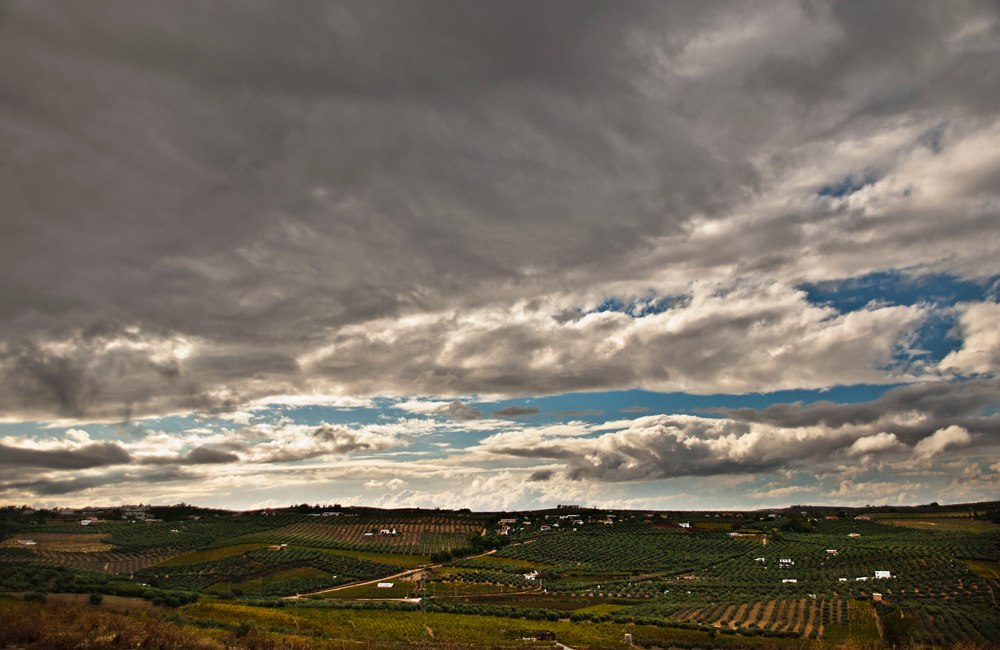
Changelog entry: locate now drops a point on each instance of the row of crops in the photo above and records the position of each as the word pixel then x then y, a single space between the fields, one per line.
pixel 802 616
pixel 947 622
pixel 635 547
pixel 409 538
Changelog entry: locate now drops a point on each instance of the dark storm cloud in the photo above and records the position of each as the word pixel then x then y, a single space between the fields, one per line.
pixel 60 486
pixel 903 37
pixel 212 203
pixel 970 404
pixel 541 475
pixel 100 454
pixel 459 411
pixel 513 412
pixel 916 422
pixel 197 456
pixel 665 447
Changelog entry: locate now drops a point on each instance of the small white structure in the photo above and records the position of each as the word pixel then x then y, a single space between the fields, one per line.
pixel 877 597
pixel 786 561
pixel 760 559
pixel 861 579
pixel 842 579
pixel 531 576
pixel 883 574
pixel 369 534
pixel 789 580
pixel 85 522
pixel 26 542
pixel 685 525
pixel 385 585
pixel 831 551
pixel 854 534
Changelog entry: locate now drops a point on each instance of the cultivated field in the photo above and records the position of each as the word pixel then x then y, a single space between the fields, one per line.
pixel 741 580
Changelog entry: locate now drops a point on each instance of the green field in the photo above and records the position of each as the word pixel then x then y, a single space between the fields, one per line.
pixel 277 577
pixel 455 628
pixel 813 582
pixel 601 609
pixel 401 560
pixel 210 555
pixel 949 523
pixel 985 569
pixel 507 561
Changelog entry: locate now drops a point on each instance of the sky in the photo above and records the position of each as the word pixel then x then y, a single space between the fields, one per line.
pixel 499 255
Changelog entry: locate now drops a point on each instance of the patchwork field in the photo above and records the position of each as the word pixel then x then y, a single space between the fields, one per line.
pixel 866 580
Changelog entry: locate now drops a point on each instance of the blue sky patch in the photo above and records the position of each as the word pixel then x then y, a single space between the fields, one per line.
pixel 638 308
pixel 898 288
pixel 847 186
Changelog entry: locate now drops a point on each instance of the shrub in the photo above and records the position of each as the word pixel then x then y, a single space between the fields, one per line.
pixel 96 598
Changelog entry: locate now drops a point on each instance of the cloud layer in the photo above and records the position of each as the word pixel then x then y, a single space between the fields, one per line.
pixel 197 220
pixel 218 217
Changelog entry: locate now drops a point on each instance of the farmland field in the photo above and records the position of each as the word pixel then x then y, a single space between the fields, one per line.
pixel 410 538
pixel 61 543
pixel 953 523
pixel 745 580
pixel 198 557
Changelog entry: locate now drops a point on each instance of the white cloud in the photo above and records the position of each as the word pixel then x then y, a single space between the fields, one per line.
pixel 874 491
pixel 394 484
pixel 941 440
pixel 980 351
pixel 873 444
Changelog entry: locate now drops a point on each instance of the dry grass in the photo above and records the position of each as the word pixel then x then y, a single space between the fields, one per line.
pixel 58 626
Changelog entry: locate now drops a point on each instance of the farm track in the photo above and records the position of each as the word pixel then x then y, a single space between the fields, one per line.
pixel 402 574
